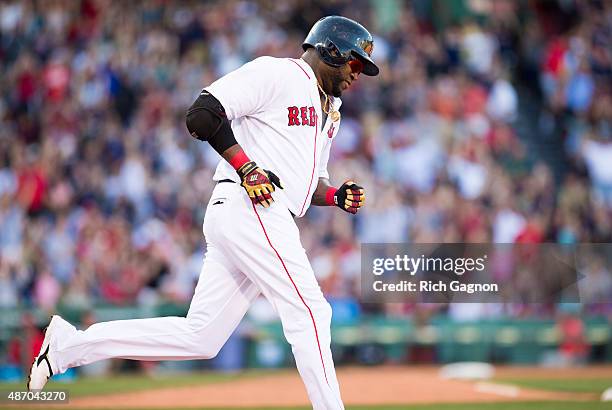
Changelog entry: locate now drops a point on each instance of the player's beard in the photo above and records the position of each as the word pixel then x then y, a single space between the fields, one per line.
pixel 336 81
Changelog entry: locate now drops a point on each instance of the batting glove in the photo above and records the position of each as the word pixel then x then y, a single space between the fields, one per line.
pixel 259 183
pixel 350 197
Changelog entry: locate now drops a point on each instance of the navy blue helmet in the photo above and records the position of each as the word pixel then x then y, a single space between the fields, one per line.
pixel 339 39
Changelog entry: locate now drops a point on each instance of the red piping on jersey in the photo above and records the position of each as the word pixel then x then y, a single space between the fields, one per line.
pixel 296 290
pixel 314 154
pixel 301 68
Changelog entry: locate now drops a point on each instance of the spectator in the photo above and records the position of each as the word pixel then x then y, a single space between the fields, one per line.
pixel 101 187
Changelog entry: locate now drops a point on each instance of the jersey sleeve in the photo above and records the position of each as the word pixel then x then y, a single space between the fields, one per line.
pixel 247 90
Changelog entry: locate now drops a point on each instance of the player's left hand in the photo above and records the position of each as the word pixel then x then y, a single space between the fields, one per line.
pixel 259 183
pixel 350 197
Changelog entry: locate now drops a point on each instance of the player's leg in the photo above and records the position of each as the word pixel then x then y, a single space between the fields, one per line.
pixel 267 248
pixel 221 299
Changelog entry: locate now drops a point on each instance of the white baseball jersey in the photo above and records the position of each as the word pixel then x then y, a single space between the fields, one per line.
pixel 275 110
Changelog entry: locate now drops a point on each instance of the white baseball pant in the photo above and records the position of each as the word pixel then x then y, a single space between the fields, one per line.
pixel 250 250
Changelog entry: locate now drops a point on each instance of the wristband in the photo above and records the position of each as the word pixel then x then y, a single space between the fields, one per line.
pixel 329 196
pixel 238 160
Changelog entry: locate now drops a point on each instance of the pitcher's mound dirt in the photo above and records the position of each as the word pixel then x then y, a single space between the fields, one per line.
pixel 377 385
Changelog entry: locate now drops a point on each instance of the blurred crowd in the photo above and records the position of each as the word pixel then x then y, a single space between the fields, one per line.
pixel 103 192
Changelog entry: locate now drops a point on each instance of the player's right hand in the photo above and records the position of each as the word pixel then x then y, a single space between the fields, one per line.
pixel 259 183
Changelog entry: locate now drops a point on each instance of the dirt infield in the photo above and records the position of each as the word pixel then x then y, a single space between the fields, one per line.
pixel 378 385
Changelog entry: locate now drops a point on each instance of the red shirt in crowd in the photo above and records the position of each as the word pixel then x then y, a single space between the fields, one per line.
pixel 31 188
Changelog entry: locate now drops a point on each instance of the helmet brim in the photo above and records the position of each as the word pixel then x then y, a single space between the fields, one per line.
pixel 369 68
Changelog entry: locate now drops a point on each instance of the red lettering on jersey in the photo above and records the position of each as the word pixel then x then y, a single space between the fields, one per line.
pixel 293 116
pixel 304 115
pixel 313 116
pixel 330 131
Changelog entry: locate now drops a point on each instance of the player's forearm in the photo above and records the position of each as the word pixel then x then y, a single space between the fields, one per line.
pixel 207 121
pixel 232 154
pixel 323 194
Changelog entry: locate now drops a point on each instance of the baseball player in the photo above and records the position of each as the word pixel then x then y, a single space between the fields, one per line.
pixel 273 121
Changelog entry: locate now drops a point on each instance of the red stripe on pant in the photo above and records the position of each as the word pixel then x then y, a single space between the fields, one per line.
pixel 297 291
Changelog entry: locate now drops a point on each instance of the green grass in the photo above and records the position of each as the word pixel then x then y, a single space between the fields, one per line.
pixel 480 406
pixel 130 383
pixel 565 385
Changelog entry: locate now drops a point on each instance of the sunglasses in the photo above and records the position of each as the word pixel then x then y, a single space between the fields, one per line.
pixel 356 66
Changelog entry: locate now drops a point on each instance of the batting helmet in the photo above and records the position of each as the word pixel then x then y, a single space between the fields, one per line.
pixel 339 39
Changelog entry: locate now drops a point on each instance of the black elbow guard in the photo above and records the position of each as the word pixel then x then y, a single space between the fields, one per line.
pixel 206 120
